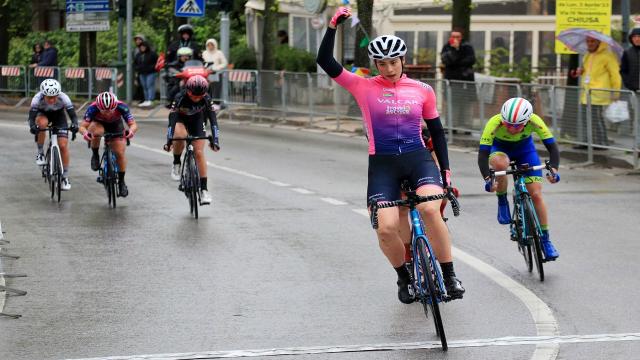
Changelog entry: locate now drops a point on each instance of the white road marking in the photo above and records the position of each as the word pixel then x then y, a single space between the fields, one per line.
pixel 333 201
pixel 302 191
pixel 546 324
pixel 279 183
pixel 423 345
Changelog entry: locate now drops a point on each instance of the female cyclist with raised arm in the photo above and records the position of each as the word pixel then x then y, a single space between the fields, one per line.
pixel 393 108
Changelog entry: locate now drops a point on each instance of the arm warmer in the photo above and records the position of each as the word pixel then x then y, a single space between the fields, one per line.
pixel 32 117
pixel 554 154
pixel 325 55
pixel 73 116
pixel 439 142
pixel 483 163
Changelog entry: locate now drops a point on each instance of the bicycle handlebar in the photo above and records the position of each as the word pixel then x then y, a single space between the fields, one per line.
pixel 108 136
pixel 520 169
pixel 51 128
pixel 412 200
pixel 191 138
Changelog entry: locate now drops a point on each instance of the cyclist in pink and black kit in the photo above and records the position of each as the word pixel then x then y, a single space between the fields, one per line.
pixel 106 115
pixel 393 107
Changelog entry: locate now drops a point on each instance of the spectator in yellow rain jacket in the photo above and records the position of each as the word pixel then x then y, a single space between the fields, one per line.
pixel 600 70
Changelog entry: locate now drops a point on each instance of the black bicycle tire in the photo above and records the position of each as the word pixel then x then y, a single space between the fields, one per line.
pixel 429 272
pixel 45 167
pixel 519 230
pixel 57 172
pixel 536 244
pixel 195 185
pixel 113 178
pixel 188 183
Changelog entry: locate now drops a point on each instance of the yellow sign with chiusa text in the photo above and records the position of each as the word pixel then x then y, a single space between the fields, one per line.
pixel 586 14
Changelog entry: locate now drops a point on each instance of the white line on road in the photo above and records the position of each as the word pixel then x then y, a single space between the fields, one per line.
pixel 279 183
pixel 333 201
pixel 546 324
pixel 302 191
pixel 3 294
pixel 423 345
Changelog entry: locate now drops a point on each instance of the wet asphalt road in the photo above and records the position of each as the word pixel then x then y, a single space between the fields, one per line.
pixel 282 260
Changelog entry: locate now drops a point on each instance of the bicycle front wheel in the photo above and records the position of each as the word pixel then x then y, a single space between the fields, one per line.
pixel 430 302
pixel 195 186
pixel 56 186
pixel 533 230
pixel 517 230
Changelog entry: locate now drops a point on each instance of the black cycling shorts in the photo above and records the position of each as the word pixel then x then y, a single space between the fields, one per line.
pixel 194 124
pixel 57 119
pixel 116 127
pixel 386 173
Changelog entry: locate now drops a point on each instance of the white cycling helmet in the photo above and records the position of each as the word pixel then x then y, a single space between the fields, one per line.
pixel 50 87
pixel 516 111
pixel 386 47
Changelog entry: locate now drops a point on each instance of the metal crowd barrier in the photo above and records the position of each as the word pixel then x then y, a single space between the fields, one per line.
pixel 13 79
pixel 464 107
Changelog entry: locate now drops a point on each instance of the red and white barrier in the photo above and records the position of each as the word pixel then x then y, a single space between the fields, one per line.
pixel 11 71
pixel 46 72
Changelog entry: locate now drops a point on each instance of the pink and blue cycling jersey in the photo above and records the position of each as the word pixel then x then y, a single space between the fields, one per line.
pixel 392 112
pixel 121 112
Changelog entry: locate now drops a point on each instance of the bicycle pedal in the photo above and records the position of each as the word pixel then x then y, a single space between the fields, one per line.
pixel 99 179
pixel 180 187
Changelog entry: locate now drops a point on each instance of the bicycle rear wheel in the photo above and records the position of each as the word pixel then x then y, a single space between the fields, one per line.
pixel 533 229
pixel 56 188
pixel 430 302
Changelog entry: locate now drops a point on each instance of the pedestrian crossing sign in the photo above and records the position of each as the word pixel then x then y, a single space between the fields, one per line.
pixel 189 8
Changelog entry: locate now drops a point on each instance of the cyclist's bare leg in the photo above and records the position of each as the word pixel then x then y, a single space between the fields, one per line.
pixel 435 227
pixel 97 130
pixel 118 147
pixel 198 150
pixel 389 237
pixel 64 151
pixel 42 122
pixel 499 162
pixel 180 132
pixel 535 190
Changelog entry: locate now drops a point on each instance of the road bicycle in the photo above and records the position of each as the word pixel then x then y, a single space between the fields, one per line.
pixel 426 275
pixel 525 227
pixel 53 169
pixel 189 173
pixel 108 171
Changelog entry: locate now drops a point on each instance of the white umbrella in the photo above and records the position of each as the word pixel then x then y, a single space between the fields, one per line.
pixel 575 39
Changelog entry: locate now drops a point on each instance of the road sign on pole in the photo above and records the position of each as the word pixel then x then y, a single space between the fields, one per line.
pixel 189 8
pixel 87 15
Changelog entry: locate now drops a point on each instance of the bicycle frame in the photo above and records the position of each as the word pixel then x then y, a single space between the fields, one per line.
pixel 53 144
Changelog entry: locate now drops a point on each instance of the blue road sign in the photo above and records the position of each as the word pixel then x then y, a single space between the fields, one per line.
pixel 80 6
pixel 189 8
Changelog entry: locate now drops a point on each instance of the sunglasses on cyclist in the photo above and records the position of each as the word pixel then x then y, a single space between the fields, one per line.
pixel 195 97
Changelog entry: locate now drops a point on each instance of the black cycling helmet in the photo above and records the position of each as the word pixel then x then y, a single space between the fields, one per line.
pixel 186 28
pixel 197 85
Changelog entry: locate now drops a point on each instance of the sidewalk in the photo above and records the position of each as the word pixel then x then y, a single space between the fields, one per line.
pixel 353 127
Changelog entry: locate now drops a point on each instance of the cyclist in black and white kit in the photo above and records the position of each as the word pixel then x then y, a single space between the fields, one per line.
pixel 190 110
pixel 47 108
